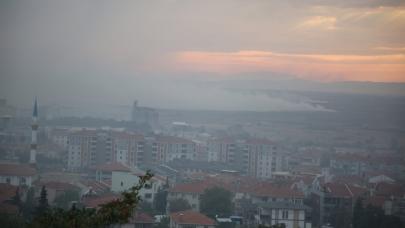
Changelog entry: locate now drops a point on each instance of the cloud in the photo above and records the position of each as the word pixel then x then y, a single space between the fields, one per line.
pixel 391 49
pixel 319 22
pixel 376 68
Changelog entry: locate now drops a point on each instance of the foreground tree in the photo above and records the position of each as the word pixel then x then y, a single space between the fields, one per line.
pixel 272 226
pixel 114 212
pixel 147 207
pixel 43 205
pixel 65 199
pixel 164 223
pixel 16 200
pixel 216 201
pixel 373 217
pixel 358 213
pixel 29 205
pixel 161 200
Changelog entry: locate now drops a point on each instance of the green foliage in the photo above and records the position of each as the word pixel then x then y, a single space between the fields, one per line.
pixel 164 223
pixel 358 212
pixel 9 220
pixel 114 212
pixel 16 200
pixel 273 226
pixel 63 201
pixel 179 205
pixel 43 205
pixel 373 217
pixel 161 201
pixel 216 201
pixel 29 205
pixel 147 208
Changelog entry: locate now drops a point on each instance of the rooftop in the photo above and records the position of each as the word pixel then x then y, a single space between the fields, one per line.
pixel 141 217
pixel 17 170
pixel 191 217
pixel 97 201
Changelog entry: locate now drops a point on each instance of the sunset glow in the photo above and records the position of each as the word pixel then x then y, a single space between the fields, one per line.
pixel 376 68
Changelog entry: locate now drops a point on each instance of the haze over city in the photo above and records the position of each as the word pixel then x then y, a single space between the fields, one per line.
pixel 157 51
pixel 202 113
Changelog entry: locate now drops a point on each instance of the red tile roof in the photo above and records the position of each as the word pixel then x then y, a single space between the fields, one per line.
pixel 277 191
pixel 195 187
pixel 344 190
pixel 141 217
pixel 97 186
pixel 7 191
pixel 390 189
pixel 59 186
pixel 17 170
pixel 349 179
pixel 191 218
pixel 377 201
pixel 97 201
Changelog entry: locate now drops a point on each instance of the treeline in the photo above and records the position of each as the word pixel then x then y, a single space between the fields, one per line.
pixel 42 215
pixel 373 217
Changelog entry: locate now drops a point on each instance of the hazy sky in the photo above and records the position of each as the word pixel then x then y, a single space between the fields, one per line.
pixel 115 51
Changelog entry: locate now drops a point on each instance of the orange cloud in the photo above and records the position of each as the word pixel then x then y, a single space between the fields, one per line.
pixel 319 22
pixel 377 68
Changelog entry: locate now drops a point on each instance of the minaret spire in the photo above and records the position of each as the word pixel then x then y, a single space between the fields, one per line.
pixel 34 129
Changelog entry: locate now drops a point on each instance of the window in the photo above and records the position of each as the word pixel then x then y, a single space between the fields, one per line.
pixel 148 195
pixel 284 214
pixel 23 180
pixel 122 183
pixel 148 186
pixel 8 180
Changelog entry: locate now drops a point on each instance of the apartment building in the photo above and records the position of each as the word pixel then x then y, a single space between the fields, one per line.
pixel 167 148
pixel 88 148
pixel 258 158
pixel 128 148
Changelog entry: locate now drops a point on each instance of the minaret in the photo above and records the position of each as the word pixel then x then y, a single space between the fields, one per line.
pixel 34 129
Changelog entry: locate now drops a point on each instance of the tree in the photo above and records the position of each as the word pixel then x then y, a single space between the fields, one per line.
pixel 373 217
pixel 16 200
pixel 29 205
pixel 10 220
pixel 66 198
pixel 281 225
pixel 114 212
pixel 160 201
pixel 358 213
pixel 179 205
pixel 164 223
pixel 147 208
pixel 216 201
pixel 43 205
